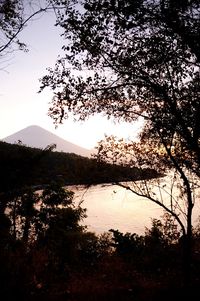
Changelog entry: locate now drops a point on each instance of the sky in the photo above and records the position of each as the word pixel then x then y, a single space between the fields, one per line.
pixel 22 105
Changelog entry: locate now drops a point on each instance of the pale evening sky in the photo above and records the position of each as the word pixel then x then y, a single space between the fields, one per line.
pixel 22 106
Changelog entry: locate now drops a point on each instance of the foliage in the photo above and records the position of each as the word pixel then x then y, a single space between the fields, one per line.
pixel 33 214
pixel 142 60
pixel 15 16
pixel 11 22
pixel 45 224
pixel 154 252
pixel 127 243
pixel 21 165
pixel 64 259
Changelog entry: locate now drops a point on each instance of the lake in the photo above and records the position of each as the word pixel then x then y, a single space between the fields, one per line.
pixel 113 207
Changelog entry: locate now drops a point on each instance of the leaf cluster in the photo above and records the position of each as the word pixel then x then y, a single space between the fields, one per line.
pixel 133 58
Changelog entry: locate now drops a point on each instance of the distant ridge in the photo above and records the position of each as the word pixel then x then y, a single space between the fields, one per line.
pixel 36 136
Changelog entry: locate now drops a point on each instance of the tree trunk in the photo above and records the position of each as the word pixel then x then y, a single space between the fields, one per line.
pixel 187 250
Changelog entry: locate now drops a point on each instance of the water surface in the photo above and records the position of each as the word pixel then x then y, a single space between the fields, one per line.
pixel 113 207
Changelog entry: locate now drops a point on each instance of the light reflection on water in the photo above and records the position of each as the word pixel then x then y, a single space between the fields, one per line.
pixel 113 207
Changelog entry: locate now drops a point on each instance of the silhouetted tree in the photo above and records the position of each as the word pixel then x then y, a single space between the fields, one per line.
pixel 142 59
pixel 42 224
pixel 15 15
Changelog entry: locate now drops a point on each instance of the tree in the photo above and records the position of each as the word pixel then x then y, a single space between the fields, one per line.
pixel 11 23
pixel 15 15
pixel 142 59
pixel 41 237
pixel 171 193
pixel 33 214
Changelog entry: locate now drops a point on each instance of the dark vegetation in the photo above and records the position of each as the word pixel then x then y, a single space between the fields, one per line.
pixel 47 255
pixel 38 167
pixel 143 58
pixel 150 49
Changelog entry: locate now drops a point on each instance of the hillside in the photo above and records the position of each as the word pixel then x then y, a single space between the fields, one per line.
pixel 35 136
pixel 22 165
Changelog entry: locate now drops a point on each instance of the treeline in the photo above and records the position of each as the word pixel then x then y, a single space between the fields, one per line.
pixel 25 165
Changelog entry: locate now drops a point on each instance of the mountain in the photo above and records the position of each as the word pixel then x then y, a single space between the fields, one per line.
pixel 35 136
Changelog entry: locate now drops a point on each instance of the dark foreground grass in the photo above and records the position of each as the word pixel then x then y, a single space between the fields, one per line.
pixel 114 279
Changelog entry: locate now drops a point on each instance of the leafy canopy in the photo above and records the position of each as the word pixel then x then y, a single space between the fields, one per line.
pixel 127 59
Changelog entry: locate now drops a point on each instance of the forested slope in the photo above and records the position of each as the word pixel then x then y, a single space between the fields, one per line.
pixel 22 165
